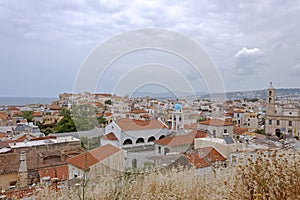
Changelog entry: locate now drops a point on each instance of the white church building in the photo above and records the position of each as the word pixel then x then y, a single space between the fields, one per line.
pixel 131 132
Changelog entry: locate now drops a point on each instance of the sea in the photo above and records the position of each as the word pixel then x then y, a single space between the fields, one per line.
pixel 21 101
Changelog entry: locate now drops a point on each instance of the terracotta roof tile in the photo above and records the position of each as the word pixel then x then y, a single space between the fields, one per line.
pixel 13 108
pixel 239 111
pixel 239 130
pixel 60 172
pixel 145 116
pixel 196 160
pixel 83 161
pixel 104 151
pixel 3 116
pixel 88 159
pixel 3 135
pixel 211 154
pixel 103 94
pixel 215 122
pixel 203 157
pixel 110 136
pixel 108 114
pixel 37 114
pixel 131 124
pixel 176 140
pixel 54 107
pixel 198 134
pixel 138 111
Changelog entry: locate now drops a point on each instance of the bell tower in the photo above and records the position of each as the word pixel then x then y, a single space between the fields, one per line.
pixel 270 100
pixel 177 118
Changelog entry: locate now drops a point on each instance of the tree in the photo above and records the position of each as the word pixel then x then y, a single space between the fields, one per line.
pixel 101 120
pixel 48 131
pixel 28 115
pixel 66 124
pixel 65 112
pixel 109 102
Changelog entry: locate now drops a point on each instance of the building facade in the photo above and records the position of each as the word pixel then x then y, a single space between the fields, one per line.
pixel 281 120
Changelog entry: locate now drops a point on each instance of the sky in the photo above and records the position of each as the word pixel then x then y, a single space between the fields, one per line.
pixel 44 43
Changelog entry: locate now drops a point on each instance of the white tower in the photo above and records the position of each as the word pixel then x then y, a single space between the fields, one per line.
pixel 177 118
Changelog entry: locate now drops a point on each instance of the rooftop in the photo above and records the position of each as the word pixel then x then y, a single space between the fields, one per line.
pixel 42 142
pixel 132 124
pixel 90 158
pixel 110 136
pixel 215 122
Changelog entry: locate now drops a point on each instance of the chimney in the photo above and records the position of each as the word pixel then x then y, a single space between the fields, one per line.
pixel 23 174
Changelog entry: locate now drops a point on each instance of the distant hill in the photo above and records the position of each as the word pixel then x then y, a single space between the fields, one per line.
pixel 281 93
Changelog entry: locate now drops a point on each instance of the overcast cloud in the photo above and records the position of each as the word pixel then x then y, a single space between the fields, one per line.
pixel 43 43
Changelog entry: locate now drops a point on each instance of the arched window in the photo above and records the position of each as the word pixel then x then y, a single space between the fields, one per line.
pixel 127 141
pixel 151 139
pixel 139 140
pixel 162 136
pixel 270 93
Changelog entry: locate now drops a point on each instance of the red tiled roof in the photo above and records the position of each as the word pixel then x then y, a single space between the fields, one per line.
pixel 196 160
pixel 138 111
pixel 215 122
pixel 17 114
pixel 131 124
pixel 104 95
pixel 83 161
pixel 203 157
pixel 211 154
pixel 239 111
pixel 13 108
pixel 109 136
pixel 3 135
pixel 54 107
pixel 145 116
pixel 176 140
pixel 104 151
pixel 60 172
pixel 239 130
pixel 3 116
pixel 23 137
pixel 107 114
pixel 98 104
pixel 37 114
pixel 44 138
pixel 88 159
pixel 198 134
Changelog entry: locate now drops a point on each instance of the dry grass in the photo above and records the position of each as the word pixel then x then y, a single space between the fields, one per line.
pixel 264 176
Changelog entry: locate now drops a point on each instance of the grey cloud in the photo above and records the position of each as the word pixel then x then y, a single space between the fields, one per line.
pixel 65 31
pixel 247 60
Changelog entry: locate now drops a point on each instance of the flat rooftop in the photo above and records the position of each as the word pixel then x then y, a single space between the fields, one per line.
pixel 43 142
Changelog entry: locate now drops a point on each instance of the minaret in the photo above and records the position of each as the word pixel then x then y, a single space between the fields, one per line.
pixel 23 173
pixel 270 100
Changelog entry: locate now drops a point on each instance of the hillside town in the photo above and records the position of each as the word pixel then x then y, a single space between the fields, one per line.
pixel 58 145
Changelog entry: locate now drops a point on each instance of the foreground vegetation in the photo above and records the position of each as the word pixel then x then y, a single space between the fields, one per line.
pixel 273 175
